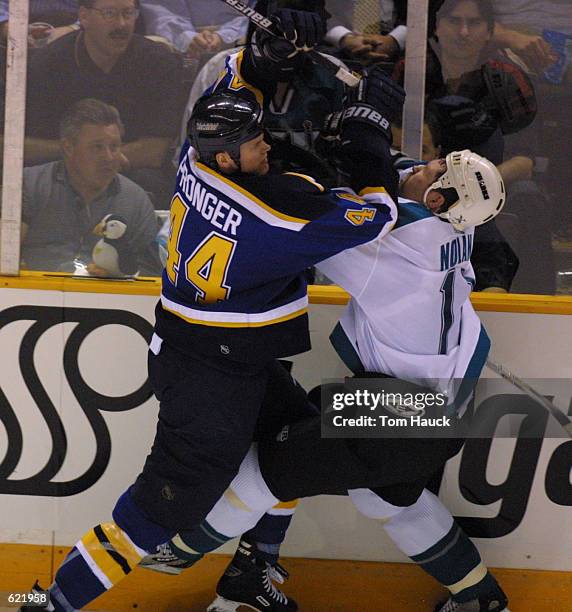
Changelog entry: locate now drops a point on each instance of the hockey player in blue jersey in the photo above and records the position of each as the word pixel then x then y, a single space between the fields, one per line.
pixel 429 249
pixel 234 300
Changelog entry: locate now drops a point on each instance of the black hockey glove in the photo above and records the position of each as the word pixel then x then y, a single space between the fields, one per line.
pixel 464 123
pixel 369 110
pixel 296 32
pixel 512 95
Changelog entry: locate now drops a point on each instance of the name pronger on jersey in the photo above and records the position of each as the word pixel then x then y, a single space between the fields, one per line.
pixel 211 208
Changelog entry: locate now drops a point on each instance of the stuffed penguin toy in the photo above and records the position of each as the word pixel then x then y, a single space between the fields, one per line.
pixel 112 252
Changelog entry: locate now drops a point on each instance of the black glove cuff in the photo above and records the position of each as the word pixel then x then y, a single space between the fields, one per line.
pixel 367 117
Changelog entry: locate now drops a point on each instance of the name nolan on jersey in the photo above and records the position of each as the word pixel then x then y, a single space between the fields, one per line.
pixel 456 251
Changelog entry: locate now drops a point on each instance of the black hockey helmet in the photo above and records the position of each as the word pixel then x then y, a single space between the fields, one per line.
pixel 222 122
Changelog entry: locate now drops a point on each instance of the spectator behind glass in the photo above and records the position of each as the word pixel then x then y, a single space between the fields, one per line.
pixel 468 114
pixel 463 50
pixel 464 29
pixel 59 14
pixel 471 86
pixel 107 61
pixel 380 38
pixel 526 216
pixel 520 24
pixel 195 27
pixel 65 200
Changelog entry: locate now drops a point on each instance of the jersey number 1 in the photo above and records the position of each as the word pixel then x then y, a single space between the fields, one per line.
pixel 207 267
pixel 446 310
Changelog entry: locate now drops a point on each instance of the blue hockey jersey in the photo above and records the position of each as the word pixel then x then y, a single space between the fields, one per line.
pixel 233 282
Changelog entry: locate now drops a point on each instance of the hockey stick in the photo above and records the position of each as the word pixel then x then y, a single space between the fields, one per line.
pixel 562 419
pixel 348 77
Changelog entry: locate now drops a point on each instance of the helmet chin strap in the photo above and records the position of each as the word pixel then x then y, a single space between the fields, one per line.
pixel 442 208
pixel 427 191
pixel 447 204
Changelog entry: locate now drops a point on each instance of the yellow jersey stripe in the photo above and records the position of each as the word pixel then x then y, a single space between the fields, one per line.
pixel 287 505
pixel 249 196
pixel 350 197
pixel 121 544
pixel 234 500
pixel 307 178
pixel 472 578
pixel 368 190
pixel 244 319
pixel 105 563
pixel 257 93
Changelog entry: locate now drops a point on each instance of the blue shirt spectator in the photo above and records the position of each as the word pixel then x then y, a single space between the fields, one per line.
pixel 195 26
pixel 65 200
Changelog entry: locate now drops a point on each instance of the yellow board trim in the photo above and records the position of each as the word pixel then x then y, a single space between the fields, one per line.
pixel 318 294
pixel 347 586
pixel 61 281
pixel 484 302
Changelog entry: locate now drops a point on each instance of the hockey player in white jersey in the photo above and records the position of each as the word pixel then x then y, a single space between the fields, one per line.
pixel 410 314
pixel 421 274
pixel 410 318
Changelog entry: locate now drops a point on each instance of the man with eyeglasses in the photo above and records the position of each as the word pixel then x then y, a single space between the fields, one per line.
pixel 111 14
pixel 106 60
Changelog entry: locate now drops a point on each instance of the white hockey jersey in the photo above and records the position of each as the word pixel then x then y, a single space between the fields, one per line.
pixel 410 316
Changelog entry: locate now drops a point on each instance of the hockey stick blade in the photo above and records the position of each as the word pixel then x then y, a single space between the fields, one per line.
pixel 562 419
pixel 350 78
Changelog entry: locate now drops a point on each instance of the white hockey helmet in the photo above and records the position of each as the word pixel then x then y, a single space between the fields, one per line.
pixel 473 189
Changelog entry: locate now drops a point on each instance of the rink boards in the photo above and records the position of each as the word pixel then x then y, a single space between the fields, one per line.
pixel 78 420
